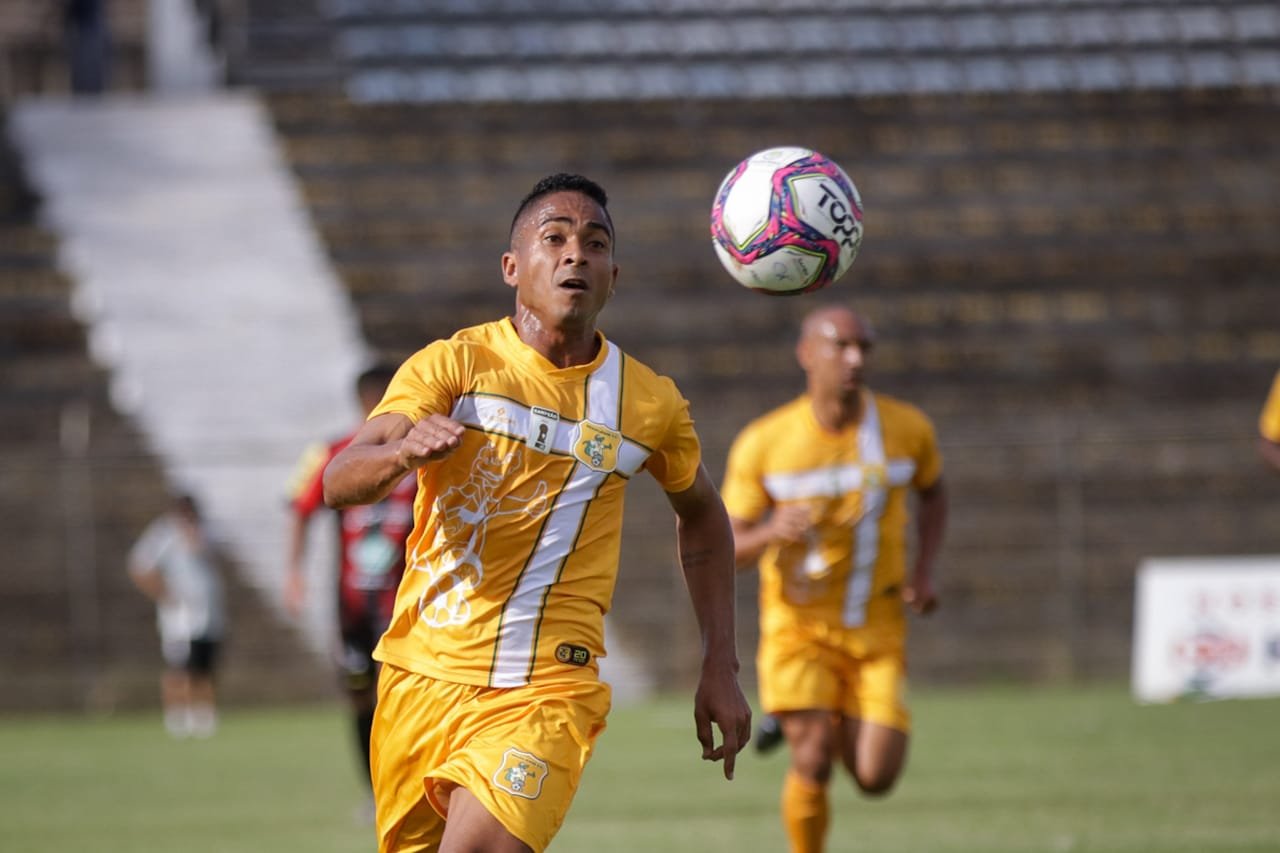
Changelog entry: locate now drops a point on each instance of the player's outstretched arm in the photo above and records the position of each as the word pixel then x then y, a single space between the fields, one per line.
pixel 919 591
pixel 706 557
pixel 385 449
pixel 295 580
pixel 150 580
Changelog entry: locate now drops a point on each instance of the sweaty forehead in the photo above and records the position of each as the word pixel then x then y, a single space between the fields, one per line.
pixel 572 207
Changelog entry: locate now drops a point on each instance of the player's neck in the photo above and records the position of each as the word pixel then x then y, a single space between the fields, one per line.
pixel 835 412
pixel 560 345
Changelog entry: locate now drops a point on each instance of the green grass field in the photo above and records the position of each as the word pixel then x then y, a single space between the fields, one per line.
pixel 1003 769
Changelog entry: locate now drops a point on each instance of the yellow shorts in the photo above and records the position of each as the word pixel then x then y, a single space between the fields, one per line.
pixel 860 673
pixel 519 750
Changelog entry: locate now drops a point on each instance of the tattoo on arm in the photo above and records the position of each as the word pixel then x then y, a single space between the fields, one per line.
pixel 692 559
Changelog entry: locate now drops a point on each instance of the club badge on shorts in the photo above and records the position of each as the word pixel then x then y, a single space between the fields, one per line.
pixel 521 774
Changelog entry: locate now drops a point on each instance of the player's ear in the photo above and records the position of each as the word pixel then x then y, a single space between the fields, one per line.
pixel 509 268
pixel 802 354
pixel 613 283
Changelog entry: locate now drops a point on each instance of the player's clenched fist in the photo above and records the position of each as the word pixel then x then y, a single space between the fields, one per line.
pixel 790 523
pixel 434 437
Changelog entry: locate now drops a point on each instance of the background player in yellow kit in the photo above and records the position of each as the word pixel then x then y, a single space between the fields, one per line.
pixel 523 434
pixel 817 490
pixel 1269 427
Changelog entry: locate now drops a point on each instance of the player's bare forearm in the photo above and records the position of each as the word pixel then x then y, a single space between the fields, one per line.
pixel 705 541
pixel 362 475
pixel 385 449
pixel 932 524
pixel 149 580
pixel 295 581
pixel 919 592
pixel 706 558
pixel 749 541
pixel 297 541
pixel 708 575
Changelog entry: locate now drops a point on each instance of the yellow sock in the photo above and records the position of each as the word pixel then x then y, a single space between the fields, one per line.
pixel 804 813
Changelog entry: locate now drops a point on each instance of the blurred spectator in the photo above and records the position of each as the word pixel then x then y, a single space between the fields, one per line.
pixel 210 15
pixel 175 565
pixel 88 45
pixel 1269 427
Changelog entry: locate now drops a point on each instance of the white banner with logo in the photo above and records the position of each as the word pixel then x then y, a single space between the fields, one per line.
pixel 1207 627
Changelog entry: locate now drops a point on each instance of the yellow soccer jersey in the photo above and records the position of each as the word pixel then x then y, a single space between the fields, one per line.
pixel 1269 423
pixel 855 483
pixel 512 561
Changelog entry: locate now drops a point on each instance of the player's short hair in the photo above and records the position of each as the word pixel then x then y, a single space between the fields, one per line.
pixel 564 182
pixel 375 378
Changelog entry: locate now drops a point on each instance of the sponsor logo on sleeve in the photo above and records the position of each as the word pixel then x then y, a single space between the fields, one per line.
pixel 576 655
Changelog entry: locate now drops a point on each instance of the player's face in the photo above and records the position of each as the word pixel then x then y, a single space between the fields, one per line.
pixel 834 353
pixel 561 260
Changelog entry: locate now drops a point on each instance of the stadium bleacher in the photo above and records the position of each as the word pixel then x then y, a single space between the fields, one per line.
pixel 1066 251
pixel 490 51
pixel 78 482
pixel 1071 210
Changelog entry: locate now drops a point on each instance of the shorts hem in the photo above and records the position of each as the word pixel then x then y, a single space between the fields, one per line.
pixel 430 783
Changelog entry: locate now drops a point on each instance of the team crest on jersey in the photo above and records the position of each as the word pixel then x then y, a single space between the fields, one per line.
pixel 521 774
pixel 597 447
pixel 874 476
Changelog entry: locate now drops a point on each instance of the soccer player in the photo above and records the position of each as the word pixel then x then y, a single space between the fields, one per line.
pixel 175 565
pixel 817 492
pixel 1269 427
pixel 523 434
pixel 371 542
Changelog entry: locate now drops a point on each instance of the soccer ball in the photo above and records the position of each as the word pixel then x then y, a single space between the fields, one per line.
pixel 786 221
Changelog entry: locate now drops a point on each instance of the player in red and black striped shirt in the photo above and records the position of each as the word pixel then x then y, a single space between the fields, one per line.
pixel 370 564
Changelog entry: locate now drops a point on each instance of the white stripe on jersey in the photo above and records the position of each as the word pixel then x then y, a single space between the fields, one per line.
pixel 523 611
pixel 507 417
pixel 604 391
pixel 866 533
pixel 832 481
pixel 514 656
